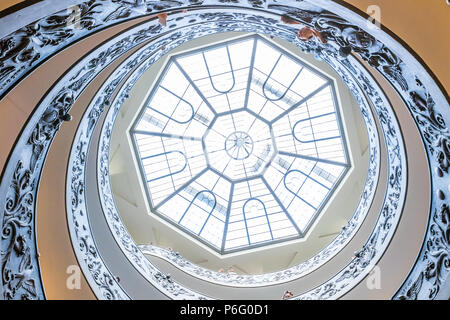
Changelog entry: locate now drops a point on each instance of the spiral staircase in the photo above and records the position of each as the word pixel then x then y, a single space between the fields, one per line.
pixel 76 218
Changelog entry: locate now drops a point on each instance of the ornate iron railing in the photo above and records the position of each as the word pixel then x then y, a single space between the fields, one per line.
pixel 32 45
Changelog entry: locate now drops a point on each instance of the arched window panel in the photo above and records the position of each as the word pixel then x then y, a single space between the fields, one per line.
pixel 167 163
pixel 266 56
pixel 220 69
pixel 254 209
pixel 321 103
pixel 315 129
pixel 237 233
pixel 304 182
pixel 167 105
pixel 258 224
pixel 205 202
pixel 289 188
pixel 174 80
pixel 257 103
pixel 308 82
pixel 293 181
pixel 213 232
pixel 204 217
pixel 332 150
pixel 286 142
pixel 327 174
pixel 281 78
pixel 283 132
pixel 231 100
pixel 172 111
pixel 198 211
pixel 261 89
pixel 175 210
pixel 220 73
pixel 301 213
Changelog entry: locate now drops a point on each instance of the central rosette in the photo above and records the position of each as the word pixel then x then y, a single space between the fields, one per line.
pixel 239 145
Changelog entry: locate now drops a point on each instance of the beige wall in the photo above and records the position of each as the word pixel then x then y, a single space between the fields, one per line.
pixel 422 24
pixel 8 3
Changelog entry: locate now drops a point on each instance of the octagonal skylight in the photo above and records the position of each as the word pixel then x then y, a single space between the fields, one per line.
pixel 240 144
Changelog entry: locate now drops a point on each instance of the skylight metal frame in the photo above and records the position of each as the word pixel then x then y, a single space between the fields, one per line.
pixel 328 83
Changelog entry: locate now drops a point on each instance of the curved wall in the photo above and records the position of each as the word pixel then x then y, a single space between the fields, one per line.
pixel 17 107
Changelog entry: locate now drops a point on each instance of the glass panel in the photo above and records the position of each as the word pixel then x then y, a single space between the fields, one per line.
pixel 240 144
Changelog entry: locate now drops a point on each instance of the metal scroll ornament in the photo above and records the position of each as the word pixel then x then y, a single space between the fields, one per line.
pixel 326 33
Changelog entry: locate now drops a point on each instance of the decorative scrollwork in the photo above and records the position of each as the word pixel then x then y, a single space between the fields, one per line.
pixel 18 250
pixel 27 48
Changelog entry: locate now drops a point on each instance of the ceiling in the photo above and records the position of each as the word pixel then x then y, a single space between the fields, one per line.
pixel 234 150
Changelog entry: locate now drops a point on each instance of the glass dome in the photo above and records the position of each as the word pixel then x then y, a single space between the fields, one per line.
pixel 240 144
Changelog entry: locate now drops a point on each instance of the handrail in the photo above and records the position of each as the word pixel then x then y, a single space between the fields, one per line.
pixel 424 98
